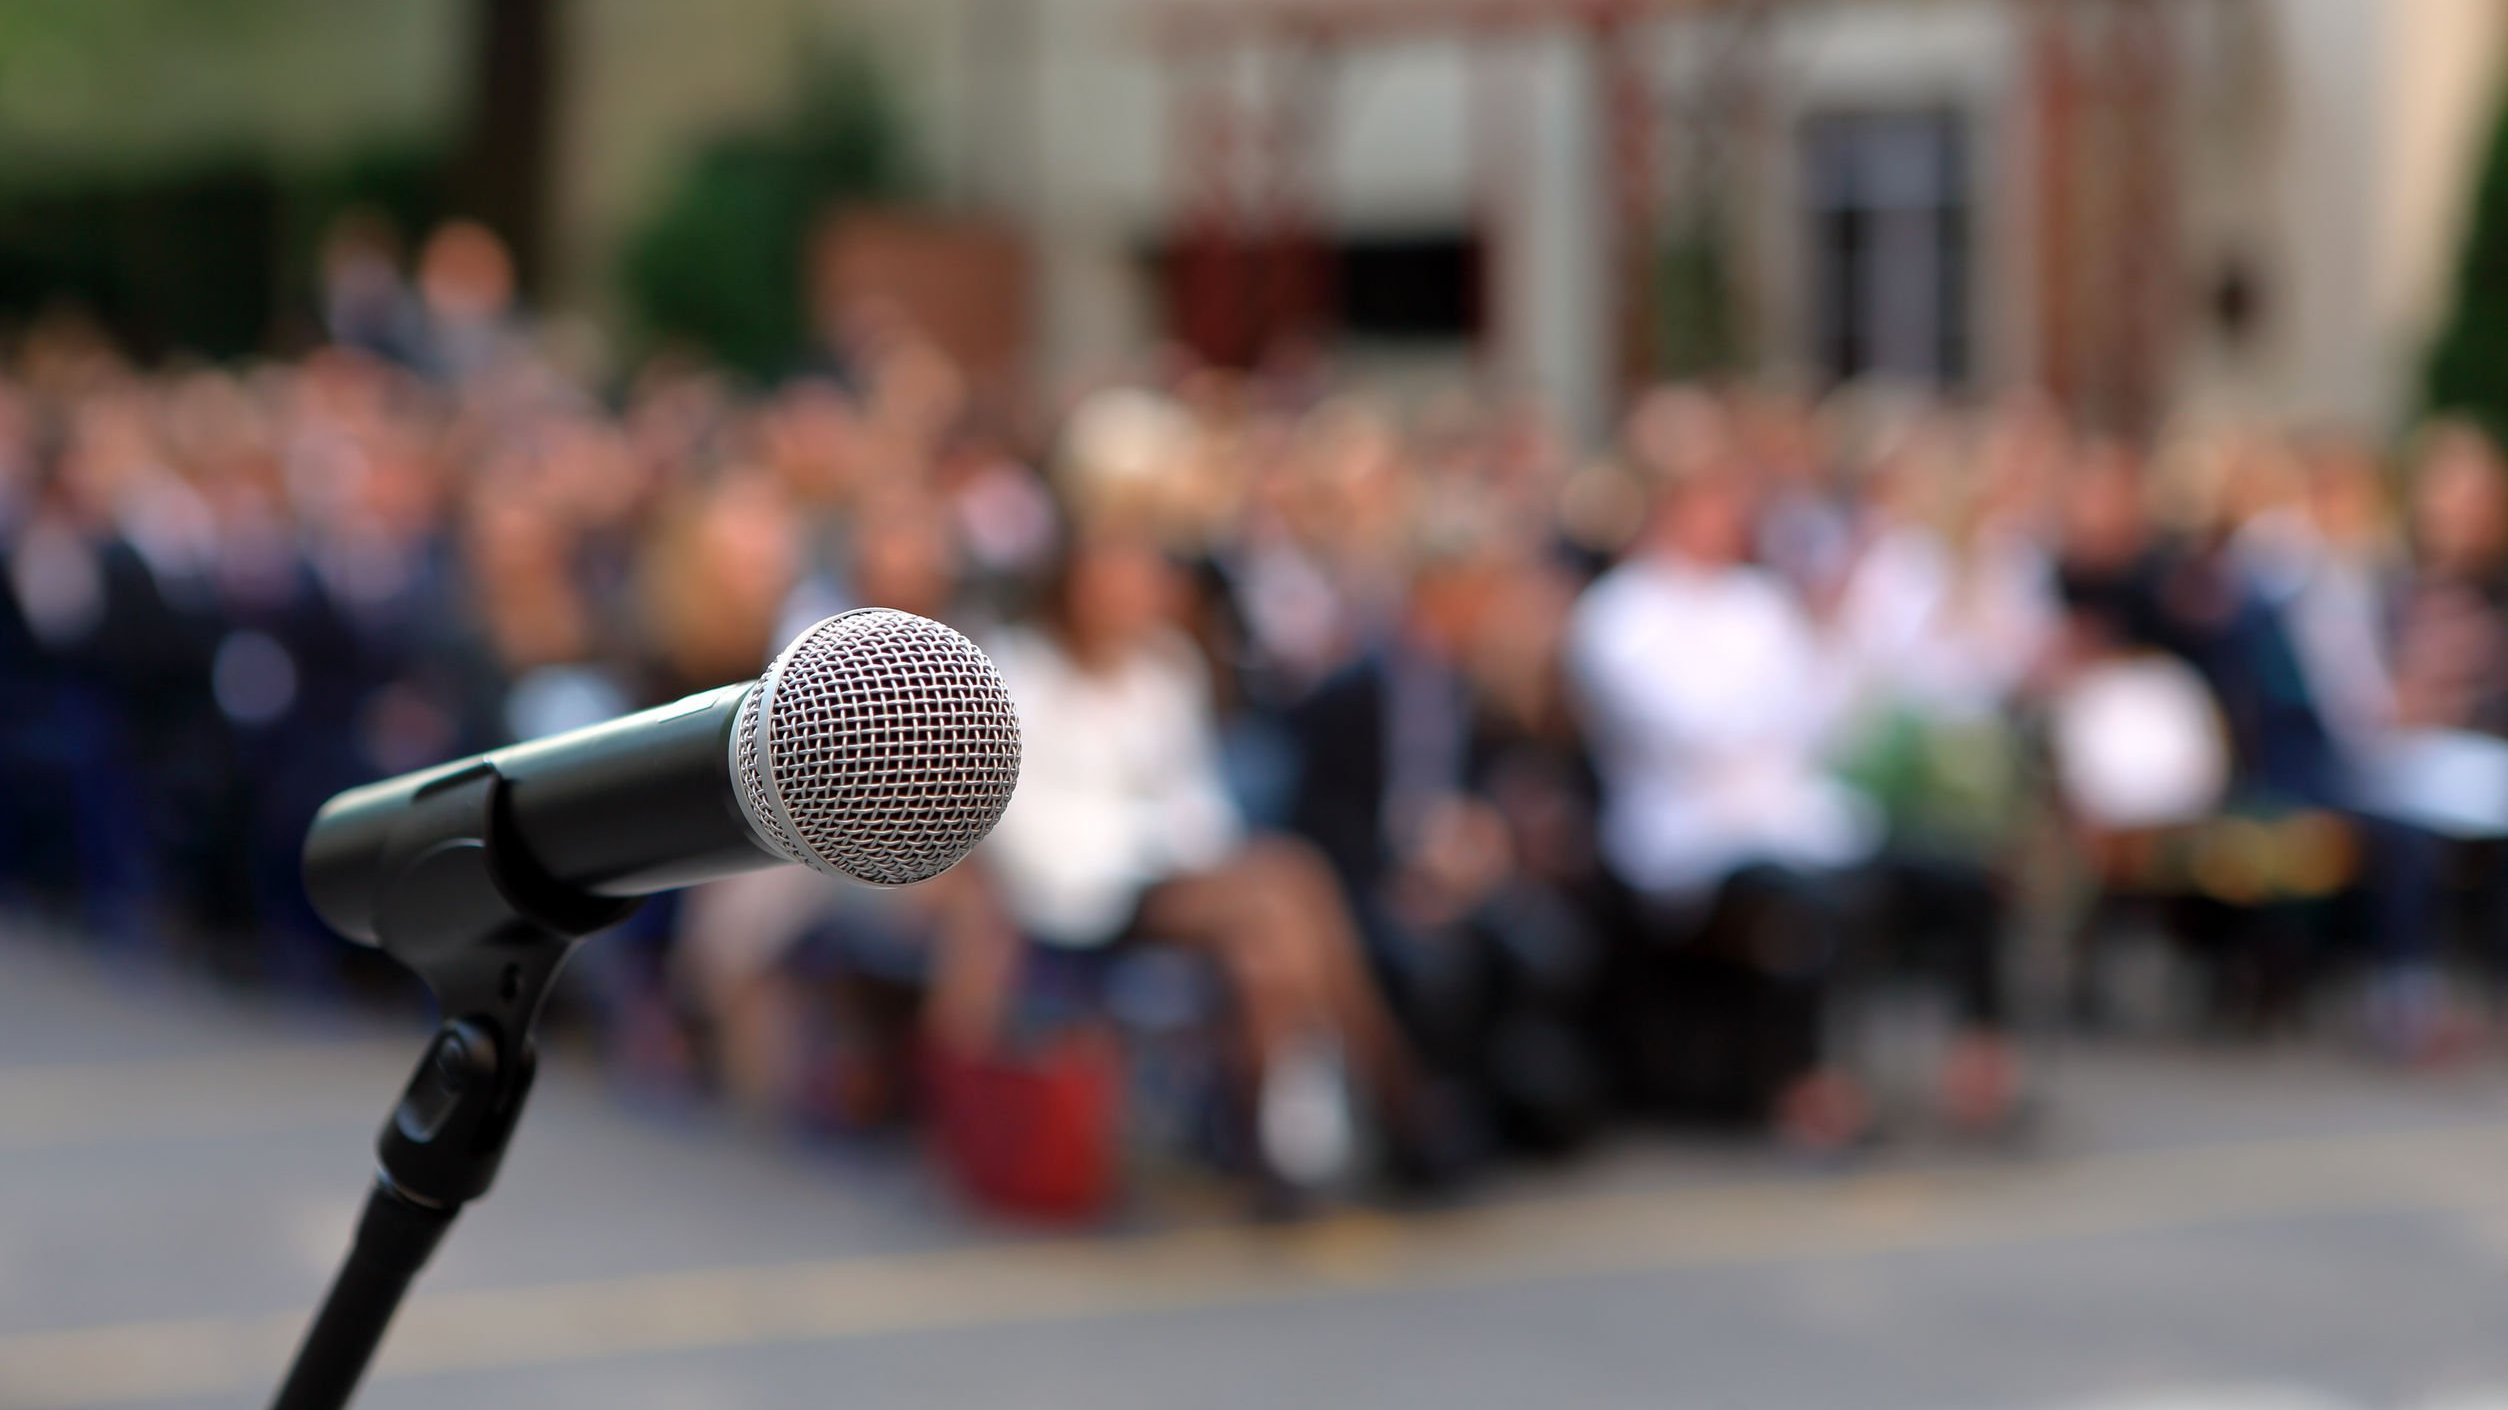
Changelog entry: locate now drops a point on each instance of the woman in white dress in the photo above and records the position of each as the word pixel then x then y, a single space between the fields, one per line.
pixel 1123 833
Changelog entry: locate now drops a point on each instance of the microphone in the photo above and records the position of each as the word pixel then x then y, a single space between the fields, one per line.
pixel 879 746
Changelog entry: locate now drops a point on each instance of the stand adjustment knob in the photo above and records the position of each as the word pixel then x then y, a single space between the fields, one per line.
pixel 461 1058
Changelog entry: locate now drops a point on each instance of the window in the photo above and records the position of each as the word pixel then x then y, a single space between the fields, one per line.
pixel 1230 299
pixel 1411 288
pixel 1888 205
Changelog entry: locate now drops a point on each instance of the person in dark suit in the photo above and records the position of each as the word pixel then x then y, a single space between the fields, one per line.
pixel 1434 773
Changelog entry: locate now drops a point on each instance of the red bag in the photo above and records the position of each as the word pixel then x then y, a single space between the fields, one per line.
pixel 1031 1133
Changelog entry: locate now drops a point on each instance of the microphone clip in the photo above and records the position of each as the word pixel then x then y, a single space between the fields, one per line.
pixel 467 910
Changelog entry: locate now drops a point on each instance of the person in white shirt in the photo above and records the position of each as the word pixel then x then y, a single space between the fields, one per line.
pixel 1713 702
pixel 1708 705
pixel 1710 702
pixel 1120 789
pixel 1123 831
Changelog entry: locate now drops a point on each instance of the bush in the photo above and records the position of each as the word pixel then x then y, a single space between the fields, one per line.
pixel 2468 369
pixel 721 263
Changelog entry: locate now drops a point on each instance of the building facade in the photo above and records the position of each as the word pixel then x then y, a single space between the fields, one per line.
pixel 2145 206
pixel 2224 206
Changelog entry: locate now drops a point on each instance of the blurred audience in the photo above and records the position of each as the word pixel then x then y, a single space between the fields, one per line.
pixel 1490 792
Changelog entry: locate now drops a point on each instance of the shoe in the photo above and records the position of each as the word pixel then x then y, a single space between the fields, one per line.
pixel 1981 1086
pixel 1824 1113
pixel 1303 1121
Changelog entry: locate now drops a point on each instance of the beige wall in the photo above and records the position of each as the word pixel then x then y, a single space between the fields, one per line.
pixel 2351 187
pixel 2441 69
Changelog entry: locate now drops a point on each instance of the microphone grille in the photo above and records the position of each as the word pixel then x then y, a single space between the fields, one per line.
pixel 880 746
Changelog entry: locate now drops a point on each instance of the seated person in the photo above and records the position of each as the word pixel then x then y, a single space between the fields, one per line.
pixel 1450 793
pixel 728 590
pixel 1711 704
pixel 2443 693
pixel 1122 832
pixel 1945 613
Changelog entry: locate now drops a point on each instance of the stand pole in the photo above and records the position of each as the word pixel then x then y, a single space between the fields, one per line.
pixel 395 1236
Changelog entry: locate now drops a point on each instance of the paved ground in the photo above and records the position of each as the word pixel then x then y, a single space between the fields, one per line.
pixel 2250 1231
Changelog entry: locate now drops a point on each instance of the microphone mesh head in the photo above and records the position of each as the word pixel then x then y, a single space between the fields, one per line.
pixel 880 746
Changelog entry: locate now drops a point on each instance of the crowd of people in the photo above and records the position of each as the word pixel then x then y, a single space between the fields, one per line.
pixel 1463 790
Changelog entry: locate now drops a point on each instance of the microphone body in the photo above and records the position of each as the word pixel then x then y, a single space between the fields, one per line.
pixel 878 746
pixel 643 803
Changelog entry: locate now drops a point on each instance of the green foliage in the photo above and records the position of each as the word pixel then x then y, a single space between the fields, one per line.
pixel 721 264
pixel 2468 367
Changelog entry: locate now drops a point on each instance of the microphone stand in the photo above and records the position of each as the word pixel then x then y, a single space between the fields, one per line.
pixel 466 909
